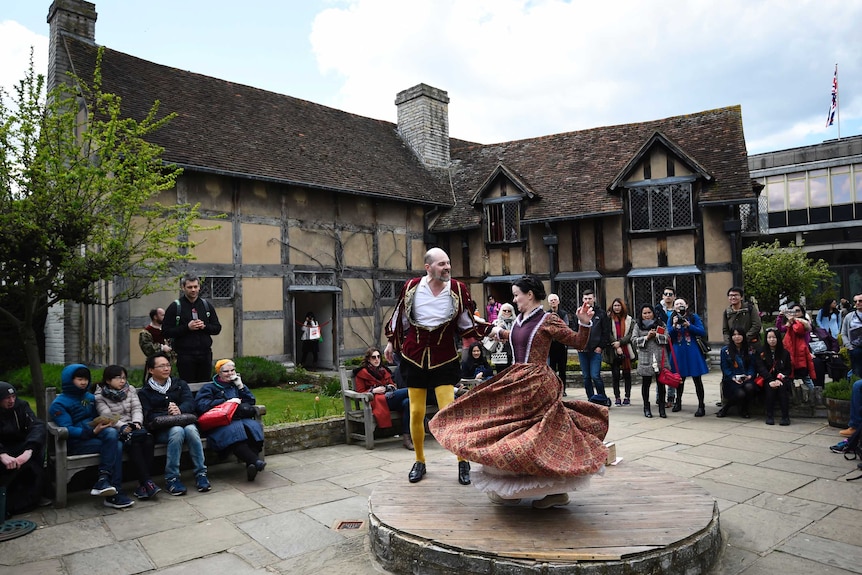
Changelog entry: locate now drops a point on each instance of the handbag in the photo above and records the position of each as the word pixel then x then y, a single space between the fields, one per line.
pixel 218 416
pixel 759 381
pixel 703 346
pixel 666 376
pixel 499 358
pixel 163 422
pixel 314 332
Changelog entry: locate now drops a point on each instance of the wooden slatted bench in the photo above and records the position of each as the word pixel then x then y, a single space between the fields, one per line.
pixel 66 466
pixel 359 422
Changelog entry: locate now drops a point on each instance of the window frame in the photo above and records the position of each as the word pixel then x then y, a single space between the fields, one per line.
pixel 505 203
pixel 679 216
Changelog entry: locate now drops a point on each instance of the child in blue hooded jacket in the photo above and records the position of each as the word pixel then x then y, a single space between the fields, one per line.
pixel 75 409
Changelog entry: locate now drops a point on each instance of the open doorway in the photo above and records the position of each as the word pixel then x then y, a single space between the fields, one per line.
pixel 323 304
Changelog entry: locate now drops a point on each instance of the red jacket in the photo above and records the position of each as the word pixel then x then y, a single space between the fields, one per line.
pixel 364 382
pixel 797 347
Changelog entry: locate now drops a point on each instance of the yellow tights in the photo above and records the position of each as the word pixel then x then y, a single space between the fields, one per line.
pixel 418 398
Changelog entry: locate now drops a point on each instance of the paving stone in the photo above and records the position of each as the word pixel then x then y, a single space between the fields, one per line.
pixel 758 478
pixel 761 446
pixel 841 525
pixel 686 454
pixel 788 564
pixel 721 490
pixel 192 541
pixel 300 495
pixel 267 479
pixel 215 565
pixel 758 529
pixel 56 541
pixel 805 467
pixel 315 471
pixel 818 454
pixel 684 436
pixel 720 453
pixel 255 554
pixel 227 502
pixel 676 467
pixel 839 493
pixel 825 551
pixel 795 506
pixel 46 567
pixel 167 512
pixel 124 558
pixel 350 509
pixel 289 534
pixel 354 479
pixel 351 557
pixel 733 560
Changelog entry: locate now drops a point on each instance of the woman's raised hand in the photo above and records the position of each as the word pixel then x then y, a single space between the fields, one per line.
pixel 585 314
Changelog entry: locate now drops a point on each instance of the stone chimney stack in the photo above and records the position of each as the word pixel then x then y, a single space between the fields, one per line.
pixel 74 17
pixel 423 121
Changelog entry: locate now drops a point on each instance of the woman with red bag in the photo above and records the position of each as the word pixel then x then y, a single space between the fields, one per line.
pixel 374 377
pixel 772 364
pixel 243 436
pixel 650 338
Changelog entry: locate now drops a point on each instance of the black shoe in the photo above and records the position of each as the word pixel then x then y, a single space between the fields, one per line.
pixel 647 412
pixel 784 421
pixel 417 473
pixel 721 412
pixel 260 464
pixel 251 471
pixel 677 406
pixel 770 421
pixel 701 411
pixel 745 414
pixel 661 411
pixel 464 472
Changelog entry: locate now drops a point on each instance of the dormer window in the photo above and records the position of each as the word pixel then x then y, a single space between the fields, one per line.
pixel 660 207
pixel 503 218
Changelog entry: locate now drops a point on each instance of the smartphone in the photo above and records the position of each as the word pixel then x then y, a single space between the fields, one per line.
pixel 660 330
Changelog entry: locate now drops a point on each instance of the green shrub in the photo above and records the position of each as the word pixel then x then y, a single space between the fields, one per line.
pixel 354 361
pixel 23 383
pixel 840 389
pixel 330 386
pixel 260 372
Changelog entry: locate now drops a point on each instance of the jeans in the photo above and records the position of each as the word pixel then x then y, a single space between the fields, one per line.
pixel 107 445
pixel 856 405
pixel 398 401
pixel 856 361
pixel 591 367
pixel 175 437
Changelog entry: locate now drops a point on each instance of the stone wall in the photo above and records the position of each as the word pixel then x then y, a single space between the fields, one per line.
pixel 287 437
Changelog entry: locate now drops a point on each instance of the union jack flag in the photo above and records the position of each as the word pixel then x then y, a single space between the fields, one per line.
pixel 830 119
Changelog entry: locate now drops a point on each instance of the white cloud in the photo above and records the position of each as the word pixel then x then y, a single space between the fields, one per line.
pixel 15 44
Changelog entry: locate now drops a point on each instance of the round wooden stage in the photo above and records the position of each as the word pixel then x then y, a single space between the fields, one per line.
pixel 634 519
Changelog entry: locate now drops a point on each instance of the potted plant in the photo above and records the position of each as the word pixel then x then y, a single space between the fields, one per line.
pixel 837 394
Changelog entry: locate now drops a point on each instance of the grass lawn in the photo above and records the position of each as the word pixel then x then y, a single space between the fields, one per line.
pixel 283 405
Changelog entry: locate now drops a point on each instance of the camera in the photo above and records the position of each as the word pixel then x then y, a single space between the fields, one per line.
pixel 681 311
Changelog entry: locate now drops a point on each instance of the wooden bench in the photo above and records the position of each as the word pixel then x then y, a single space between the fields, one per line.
pixel 66 466
pixel 359 422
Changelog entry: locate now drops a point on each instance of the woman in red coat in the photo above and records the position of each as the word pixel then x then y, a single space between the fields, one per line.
pixel 373 377
pixel 796 344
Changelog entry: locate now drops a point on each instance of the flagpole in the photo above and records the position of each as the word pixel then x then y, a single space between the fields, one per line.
pixel 837 103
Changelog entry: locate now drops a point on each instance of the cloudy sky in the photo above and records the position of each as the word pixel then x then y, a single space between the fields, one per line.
pixel 513 68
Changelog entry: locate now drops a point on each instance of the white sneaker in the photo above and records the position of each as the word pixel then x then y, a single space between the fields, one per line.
pixel 552 500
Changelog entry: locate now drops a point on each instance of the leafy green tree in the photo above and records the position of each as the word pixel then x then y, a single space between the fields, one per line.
pixel 79 209
pixel 772 272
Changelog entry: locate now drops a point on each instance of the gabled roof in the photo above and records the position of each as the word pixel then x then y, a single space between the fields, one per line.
pixel 522 186
pixel 572 172
pixel 232 129
pixel 659 138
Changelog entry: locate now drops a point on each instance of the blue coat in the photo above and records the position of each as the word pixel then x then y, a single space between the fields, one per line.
pixel 75 408
pixel 688 357
pixel 216 393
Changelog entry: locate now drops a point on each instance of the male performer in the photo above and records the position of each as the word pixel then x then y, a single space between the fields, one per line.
pixel 432 312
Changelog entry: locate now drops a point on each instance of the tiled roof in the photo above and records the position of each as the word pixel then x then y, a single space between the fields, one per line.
pixel 571 172
pixel 230 128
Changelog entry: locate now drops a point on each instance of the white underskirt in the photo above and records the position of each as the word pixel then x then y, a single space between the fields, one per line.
pixel 509 485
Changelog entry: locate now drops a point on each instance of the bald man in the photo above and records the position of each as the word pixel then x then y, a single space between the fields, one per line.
pixel 433 311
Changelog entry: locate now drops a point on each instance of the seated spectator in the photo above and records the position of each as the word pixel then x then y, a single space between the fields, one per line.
pixel 737 374
pixel 374 377
pixel 476 366
pixel 75 409
pixel 243 436
pixel 772 363
pixel 855 410
pixel 116 398
pixel 163 395
pixel 22 448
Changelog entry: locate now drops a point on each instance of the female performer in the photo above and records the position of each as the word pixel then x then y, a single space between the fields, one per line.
pixel 530 442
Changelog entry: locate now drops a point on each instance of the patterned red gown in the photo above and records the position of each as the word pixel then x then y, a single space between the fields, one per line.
pixel 529 441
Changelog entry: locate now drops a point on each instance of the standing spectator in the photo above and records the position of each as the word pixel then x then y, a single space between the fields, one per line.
pixel 650 337
pixel 375 378
pixel 591 356
pixel 75 409
pixel 22 448
pixel 190 324
pixel 558 357
pixel 619 354
pixel 431 313
pixel 851 335
pixel 152 338
pixel 829 317
pixel 505 321
pixel 310 340
pixel 663 311
pixel 492 310
pixel 685 328
pixel 795 342
pixel 737 374
pixel 772 363
pixel 243 436
pixel 739 315
pixel 116 398
pixel 163 395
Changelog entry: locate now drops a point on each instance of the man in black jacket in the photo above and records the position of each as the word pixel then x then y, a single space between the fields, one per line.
pixel 22 448
pixel 591 356
pixel 191 322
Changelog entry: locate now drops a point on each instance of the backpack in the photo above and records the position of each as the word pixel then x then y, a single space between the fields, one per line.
pixel 206 308
pixel 853 450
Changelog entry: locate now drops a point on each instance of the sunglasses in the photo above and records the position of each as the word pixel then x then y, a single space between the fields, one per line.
pixel 668 293
pixel 375 356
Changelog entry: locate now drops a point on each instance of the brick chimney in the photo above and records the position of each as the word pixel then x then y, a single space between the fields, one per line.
pixel 74 17
pixel 423 121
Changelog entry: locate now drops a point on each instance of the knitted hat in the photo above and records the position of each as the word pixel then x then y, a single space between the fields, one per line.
pixel 6 390
pixel 220 363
